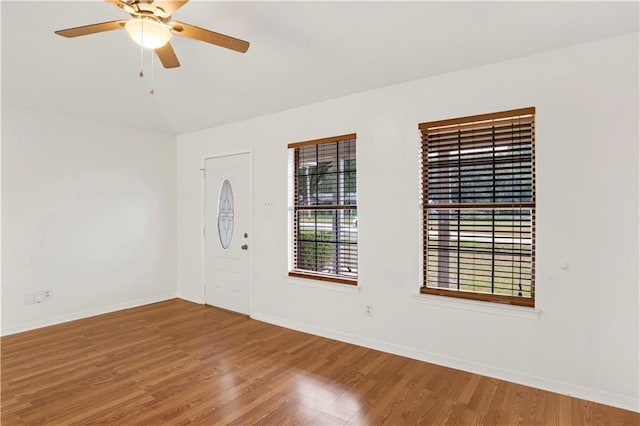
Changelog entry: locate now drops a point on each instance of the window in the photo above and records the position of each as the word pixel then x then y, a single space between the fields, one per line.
pixel 325 211
pixel 478 194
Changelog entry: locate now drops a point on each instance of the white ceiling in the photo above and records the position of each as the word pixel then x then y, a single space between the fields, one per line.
pixel 301 52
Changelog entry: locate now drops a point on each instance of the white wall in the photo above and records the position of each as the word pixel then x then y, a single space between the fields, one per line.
pixel 89 213
pixel 584 338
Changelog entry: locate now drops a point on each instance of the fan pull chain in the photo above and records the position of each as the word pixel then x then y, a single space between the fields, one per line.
pixel 152 91
pixel 141 74
pixel 142 51
pixel 141 61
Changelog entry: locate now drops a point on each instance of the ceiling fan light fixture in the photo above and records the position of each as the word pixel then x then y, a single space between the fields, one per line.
pixel 148 32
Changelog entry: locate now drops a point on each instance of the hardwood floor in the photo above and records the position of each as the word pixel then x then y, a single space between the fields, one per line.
pixel 177 362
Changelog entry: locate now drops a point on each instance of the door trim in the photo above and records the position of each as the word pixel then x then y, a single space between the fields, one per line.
pixel 203 160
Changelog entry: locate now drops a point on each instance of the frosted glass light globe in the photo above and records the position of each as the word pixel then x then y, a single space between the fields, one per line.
pixel 148 33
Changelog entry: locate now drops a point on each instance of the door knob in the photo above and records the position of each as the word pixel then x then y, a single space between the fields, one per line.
pixel 244 247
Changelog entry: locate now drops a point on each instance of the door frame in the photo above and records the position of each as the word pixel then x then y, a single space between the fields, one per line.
pixel 203 161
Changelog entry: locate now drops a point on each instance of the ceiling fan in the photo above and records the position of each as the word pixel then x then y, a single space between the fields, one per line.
pixel 151 26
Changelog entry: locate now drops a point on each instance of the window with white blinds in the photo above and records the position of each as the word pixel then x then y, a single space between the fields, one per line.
pixel 325 210
pixel 478 197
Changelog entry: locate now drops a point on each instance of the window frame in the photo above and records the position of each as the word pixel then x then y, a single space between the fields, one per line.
pixel 476 121
pixel 294 208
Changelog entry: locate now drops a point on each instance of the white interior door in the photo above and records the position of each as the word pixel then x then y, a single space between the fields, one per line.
pixel 226 234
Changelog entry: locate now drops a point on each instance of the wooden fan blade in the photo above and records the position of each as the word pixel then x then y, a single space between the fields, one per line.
pixel 167 56
pixel 91 29
pixel 169 6
pixel 197 33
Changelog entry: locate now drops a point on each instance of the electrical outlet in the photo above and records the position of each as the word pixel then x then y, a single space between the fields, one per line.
pixel 369 310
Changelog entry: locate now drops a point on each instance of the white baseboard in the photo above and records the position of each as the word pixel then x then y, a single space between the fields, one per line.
pixel 551 385
pixel 31 325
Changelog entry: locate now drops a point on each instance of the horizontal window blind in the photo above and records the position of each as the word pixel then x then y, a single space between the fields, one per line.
pixel 478 190
pixel 325 236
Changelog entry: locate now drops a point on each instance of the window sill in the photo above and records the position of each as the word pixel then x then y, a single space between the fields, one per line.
pixel 313 282
pixel 323 277
pixel 479 306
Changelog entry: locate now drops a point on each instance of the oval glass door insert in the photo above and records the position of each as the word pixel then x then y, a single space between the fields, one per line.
pixel 225 214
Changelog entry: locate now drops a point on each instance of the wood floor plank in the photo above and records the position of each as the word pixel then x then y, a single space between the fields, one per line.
pixel 181 363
